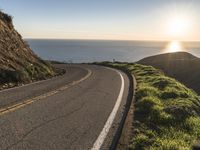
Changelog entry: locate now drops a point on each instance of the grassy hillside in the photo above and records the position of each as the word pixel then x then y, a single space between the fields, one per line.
pixel 18 63
pixel 167 114
pixel 181 65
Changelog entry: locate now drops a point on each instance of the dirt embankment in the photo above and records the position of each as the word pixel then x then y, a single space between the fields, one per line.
pixel 18 63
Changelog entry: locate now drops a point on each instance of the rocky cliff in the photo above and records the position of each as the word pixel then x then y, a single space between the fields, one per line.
pixel 18 63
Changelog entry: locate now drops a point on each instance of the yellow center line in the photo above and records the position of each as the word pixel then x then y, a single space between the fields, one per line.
pixel 43 96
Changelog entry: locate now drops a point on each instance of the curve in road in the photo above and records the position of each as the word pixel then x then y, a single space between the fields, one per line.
pixel 43 96
pixel 101 138
pixel 73 118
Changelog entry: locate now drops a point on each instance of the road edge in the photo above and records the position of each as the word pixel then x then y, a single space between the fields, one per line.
pixel 29 101
pixel 124 141
pixel 130 99
pixel 109 123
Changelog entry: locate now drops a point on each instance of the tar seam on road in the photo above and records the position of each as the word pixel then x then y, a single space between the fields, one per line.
pixel 101 138
pixel 43 96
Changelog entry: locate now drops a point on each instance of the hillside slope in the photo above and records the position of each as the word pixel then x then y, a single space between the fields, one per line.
pixel 181 65
pixel 166 113
pixel 18 63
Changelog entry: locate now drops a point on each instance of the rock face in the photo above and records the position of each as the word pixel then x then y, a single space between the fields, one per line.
pixel 181 65
pixel 18 63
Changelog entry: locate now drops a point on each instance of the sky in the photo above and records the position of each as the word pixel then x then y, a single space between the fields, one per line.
pixel 106 19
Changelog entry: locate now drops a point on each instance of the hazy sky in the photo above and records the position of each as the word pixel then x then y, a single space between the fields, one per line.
pixel 106 19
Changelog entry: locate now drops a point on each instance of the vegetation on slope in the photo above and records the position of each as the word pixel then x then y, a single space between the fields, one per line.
pixel 18 63
pixel 182 66
pixel 167 114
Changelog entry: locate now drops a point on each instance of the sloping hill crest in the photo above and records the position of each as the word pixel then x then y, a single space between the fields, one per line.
pixel 183 66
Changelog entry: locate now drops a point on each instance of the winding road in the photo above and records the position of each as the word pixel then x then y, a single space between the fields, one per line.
pixel 79 110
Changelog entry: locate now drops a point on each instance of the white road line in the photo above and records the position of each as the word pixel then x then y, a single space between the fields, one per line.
pixel 98 143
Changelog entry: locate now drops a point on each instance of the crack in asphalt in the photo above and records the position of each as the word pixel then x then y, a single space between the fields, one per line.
pixel 95 91
pixel 43 124
pixel 79 137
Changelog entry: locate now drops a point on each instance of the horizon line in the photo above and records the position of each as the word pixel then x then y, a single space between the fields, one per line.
pixel 145 40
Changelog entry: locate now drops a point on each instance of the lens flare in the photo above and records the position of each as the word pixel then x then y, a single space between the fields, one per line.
pixel 174 46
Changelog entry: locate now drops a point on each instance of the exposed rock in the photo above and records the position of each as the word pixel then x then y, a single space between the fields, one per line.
pixel 18 63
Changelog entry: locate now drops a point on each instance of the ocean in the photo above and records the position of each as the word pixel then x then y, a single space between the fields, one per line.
pixel 83 51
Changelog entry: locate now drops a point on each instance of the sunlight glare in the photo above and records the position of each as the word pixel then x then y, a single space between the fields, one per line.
pixel 178 26
pixel 174 46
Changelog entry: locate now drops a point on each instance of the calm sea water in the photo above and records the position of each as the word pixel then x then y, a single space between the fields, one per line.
pixel 78 51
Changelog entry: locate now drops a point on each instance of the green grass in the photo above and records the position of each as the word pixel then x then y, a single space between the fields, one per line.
pixel 167 114
pixel 29 73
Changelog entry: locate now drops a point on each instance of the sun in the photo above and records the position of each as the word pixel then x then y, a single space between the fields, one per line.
pixel 178 26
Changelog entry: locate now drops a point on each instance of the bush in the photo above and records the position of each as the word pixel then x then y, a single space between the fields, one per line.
pixel 7 76
pixel 5 17
pixel 144 91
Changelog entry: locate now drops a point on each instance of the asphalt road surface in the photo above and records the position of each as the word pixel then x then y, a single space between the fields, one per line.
pixel 72 111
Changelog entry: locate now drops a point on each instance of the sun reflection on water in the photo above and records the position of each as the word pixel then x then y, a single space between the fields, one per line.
pixel 174 46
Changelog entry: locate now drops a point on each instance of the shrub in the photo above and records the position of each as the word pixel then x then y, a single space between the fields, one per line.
pixel 5 17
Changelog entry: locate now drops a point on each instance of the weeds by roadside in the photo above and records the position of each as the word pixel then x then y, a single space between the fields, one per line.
pixel 167 114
